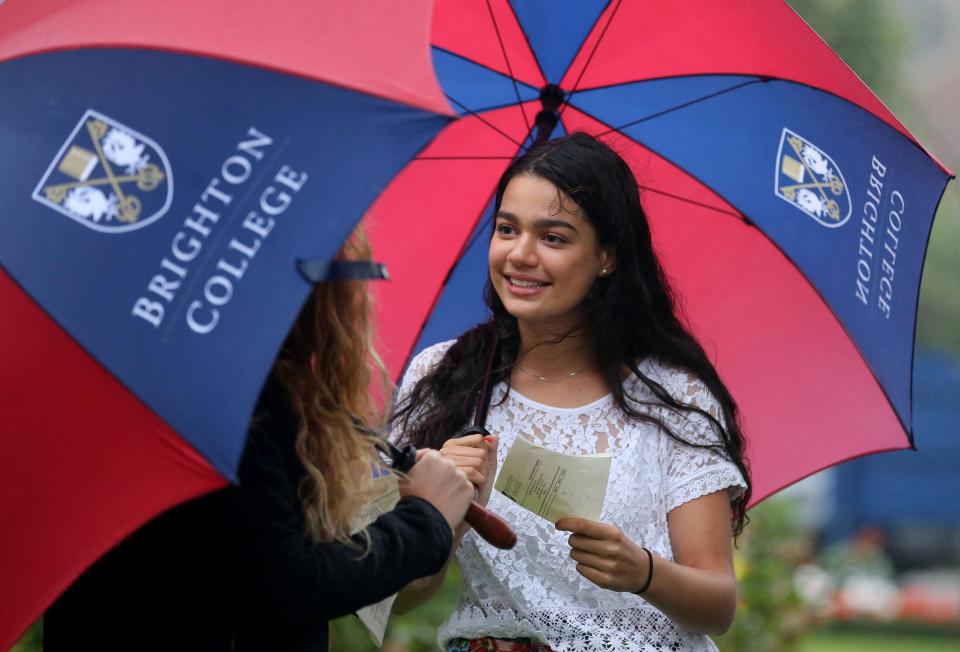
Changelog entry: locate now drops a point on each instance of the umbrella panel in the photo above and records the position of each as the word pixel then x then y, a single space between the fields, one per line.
pixel 93 464
pixel 469 29
pixel 314 40
pixel 763 147
pixel 183 304
pixel 85 459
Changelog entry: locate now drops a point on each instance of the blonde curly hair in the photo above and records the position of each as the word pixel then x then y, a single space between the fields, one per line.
pixel 326 366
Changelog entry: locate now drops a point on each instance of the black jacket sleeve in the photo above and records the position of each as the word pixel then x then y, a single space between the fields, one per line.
pixel 253 535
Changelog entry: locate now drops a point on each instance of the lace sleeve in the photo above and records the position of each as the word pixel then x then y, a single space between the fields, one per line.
pixel 419 367
pixel 703 468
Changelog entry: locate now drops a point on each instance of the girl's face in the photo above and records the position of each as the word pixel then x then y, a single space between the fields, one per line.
pixel 544 256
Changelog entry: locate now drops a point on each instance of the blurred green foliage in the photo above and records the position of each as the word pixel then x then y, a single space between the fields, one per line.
pixel 938 318
pixel 867 642
pixel 867 35
pixel 32 641
pixel 415 631
pixel 771 616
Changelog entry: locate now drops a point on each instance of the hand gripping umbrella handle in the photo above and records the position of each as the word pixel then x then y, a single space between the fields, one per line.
pixel 494 530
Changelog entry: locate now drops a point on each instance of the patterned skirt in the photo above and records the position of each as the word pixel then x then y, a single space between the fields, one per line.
pixel 488 644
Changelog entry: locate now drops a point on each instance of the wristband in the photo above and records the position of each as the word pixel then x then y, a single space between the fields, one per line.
pixel 646 585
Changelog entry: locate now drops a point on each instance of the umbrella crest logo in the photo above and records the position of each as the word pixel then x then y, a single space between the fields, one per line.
pixel 807 178
pixel 107 177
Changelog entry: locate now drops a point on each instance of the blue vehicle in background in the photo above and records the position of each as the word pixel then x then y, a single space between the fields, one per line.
pixel 913 497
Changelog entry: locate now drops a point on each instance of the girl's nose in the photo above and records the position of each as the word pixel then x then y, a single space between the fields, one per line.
pixel 524 252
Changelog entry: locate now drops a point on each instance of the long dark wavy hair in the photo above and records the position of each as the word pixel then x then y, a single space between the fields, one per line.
pixel 627 315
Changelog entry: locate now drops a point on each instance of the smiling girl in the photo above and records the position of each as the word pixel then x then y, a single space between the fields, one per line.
pixel 589 357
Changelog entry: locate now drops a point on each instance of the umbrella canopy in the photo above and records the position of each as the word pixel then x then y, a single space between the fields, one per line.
pixel 164 169
pixel 790 208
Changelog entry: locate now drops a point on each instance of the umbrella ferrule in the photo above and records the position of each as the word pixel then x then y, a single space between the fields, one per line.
pixel 551 97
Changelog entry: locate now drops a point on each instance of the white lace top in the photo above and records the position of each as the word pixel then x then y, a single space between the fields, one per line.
pixel 534 590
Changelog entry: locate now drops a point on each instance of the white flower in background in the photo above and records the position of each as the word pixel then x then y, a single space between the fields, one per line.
pixel 869 595
pixel 814 585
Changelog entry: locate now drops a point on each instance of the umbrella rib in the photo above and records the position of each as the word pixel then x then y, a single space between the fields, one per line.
pixel 483 120
pixel 768 79
pixel 463 158
pixel 503 50
pixel 478 65
pixel 586 64
pixel 694 202
pixel 526 38
pixel 473 236
pixel 680 106
pixel 494 107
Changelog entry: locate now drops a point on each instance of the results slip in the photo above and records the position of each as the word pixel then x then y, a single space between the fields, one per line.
pixel 553 485
pixel 386 496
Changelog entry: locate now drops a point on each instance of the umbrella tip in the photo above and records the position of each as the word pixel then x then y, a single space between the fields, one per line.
pixel 551 97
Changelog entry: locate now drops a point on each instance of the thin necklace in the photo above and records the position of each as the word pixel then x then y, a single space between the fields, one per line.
pixel 547 380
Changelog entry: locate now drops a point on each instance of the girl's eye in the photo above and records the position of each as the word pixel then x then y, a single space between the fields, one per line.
pixel 505 229
pixel 554 239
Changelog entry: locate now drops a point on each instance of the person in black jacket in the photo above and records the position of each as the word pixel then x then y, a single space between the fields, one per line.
pixel 265 564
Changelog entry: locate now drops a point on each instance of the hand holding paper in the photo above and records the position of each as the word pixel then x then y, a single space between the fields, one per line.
pixel 606 556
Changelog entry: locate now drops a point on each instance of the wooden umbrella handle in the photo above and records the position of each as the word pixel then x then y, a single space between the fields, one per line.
pixel 494 530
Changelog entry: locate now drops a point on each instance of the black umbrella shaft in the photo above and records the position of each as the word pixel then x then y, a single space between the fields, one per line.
pixel 551 97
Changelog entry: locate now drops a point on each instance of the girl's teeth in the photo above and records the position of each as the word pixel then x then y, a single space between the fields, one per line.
pixel 526 284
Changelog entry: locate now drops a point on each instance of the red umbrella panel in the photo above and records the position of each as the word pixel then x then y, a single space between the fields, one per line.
pixel 166 169
pixel 790 208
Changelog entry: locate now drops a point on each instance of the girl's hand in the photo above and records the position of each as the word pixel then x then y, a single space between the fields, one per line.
pixel 697 590
pixel 476 456
pixel 440 483
pixel 605 555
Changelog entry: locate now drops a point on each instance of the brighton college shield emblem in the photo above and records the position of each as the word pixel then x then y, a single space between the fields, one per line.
pixel 107 177
pixel 807 178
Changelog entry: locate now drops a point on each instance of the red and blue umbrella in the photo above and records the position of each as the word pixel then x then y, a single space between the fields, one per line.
pixel 790 208
pixel 164 169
